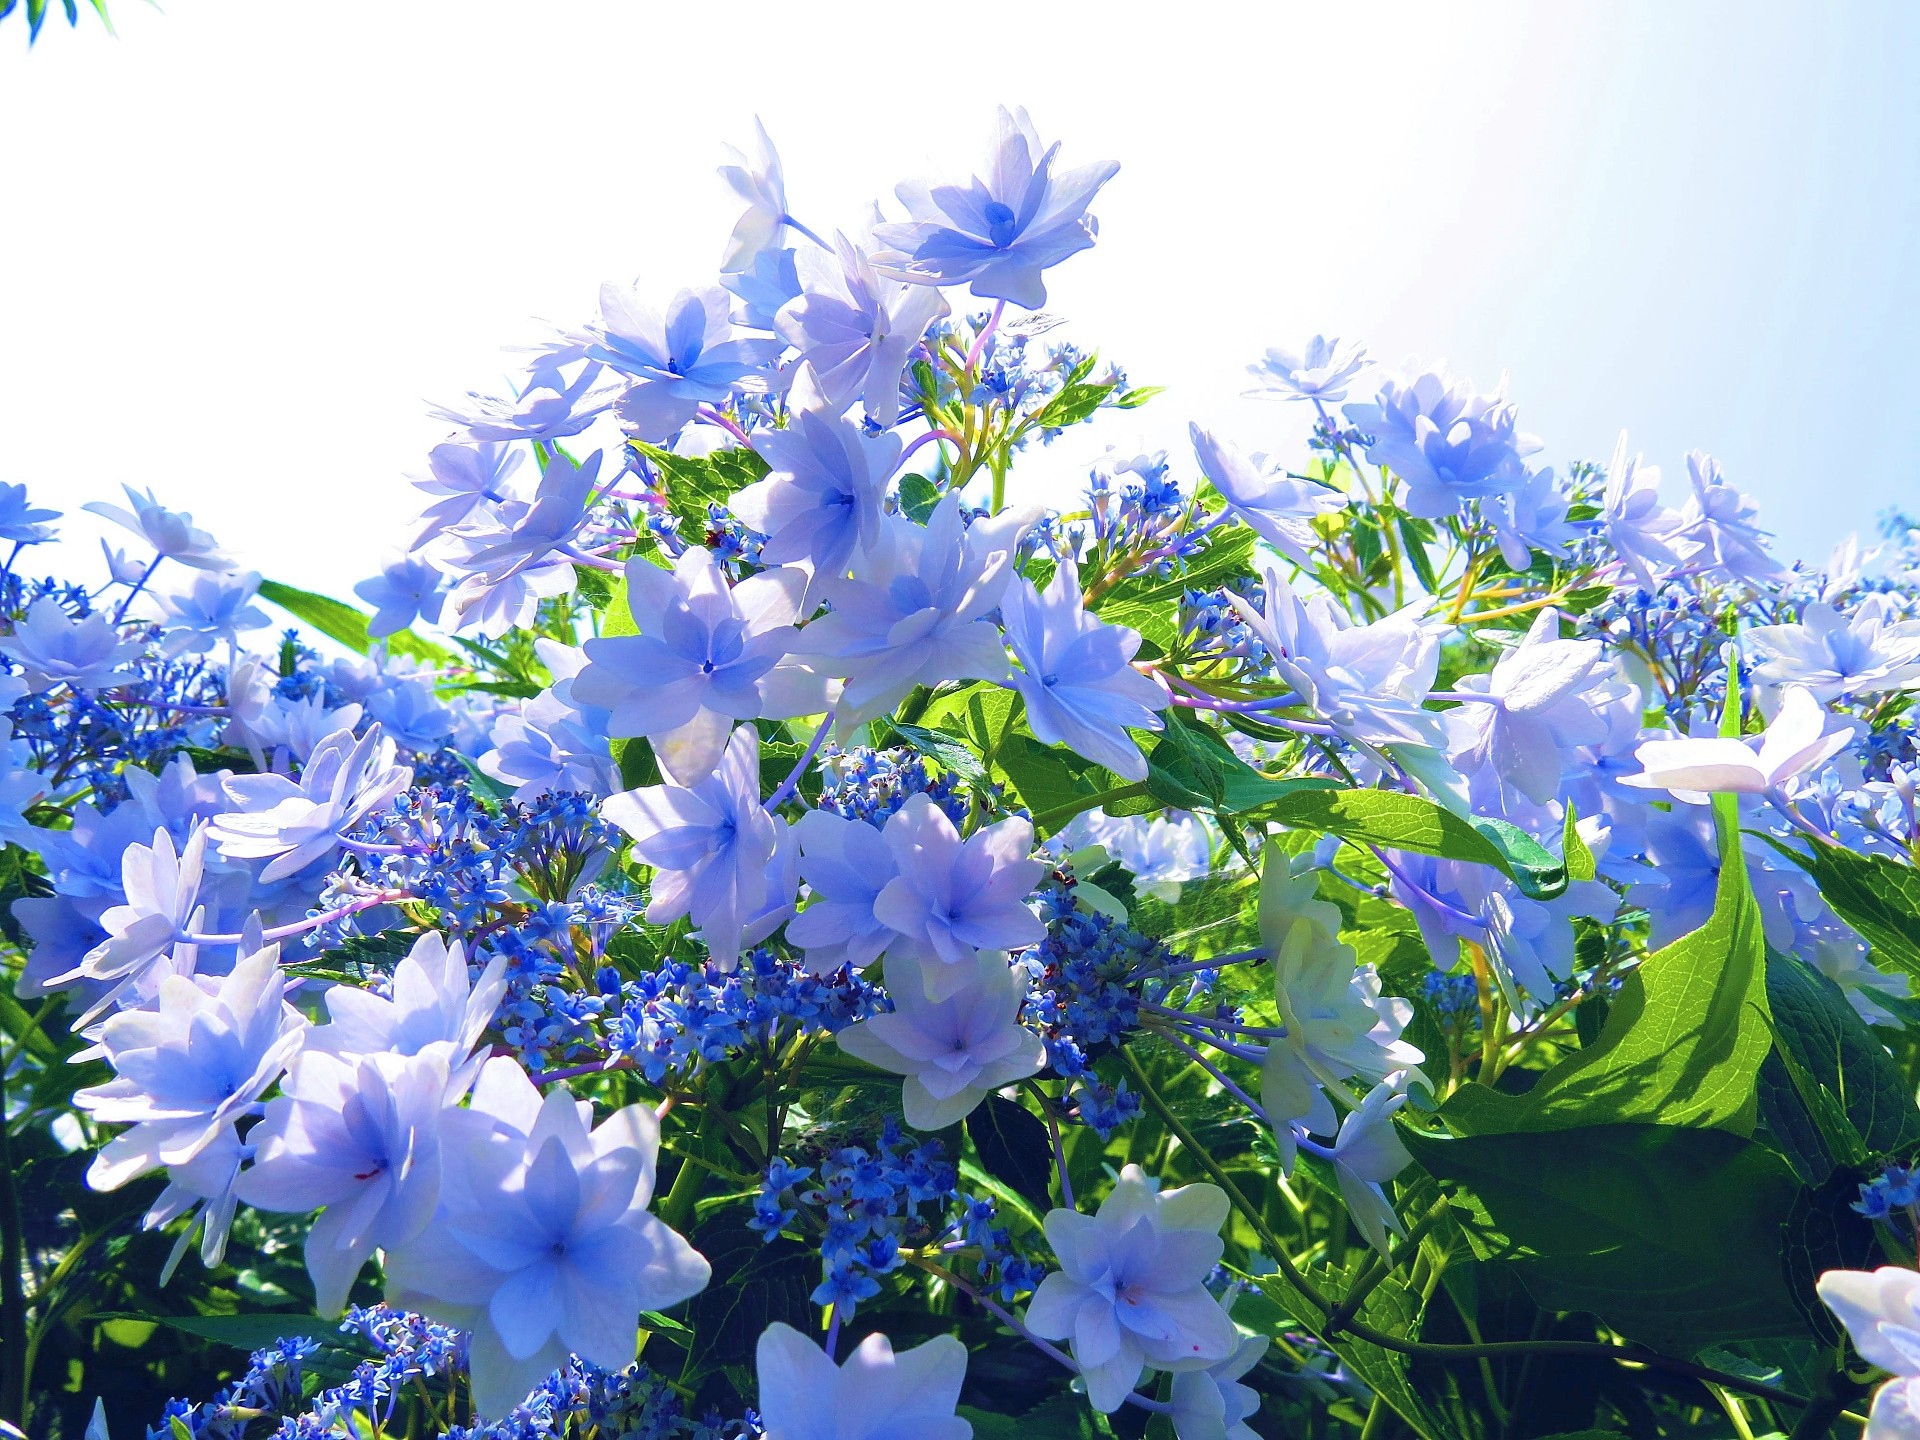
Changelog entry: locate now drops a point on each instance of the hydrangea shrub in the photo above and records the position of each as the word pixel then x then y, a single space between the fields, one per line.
pixel 762 920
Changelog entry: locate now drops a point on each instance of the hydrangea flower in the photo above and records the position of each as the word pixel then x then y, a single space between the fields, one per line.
pixel 876 1394
pixel 1367 1154
pixel 430 1002
pixel 161 890
pixel 917 616
pixel 405 590
pixel 996 234
pixel 707 654
pixel 954 1051
pixel 953 897
pixel 1448 443
pixel 846 864
pixel 553 742
pixel 692 356
pixel 1076 674
pixel 1319 371
pixel 1881 1310
pixel 1279 509
pixel 1130 1292
pixel 189 1067
pixel 543 1244
pixel 54 649
pixel 820 501
pixel 170 533
pixel 1640 529
pixel 710 845
pixel 854 330
pixel 1834 655
pixel 1802 736
pixel 292 823
pixel 1338 1024
pixel 1543 699
pixel 1212 1404
pixel 212 610
pixel 21 521
pixel 358 1137
pixel 760 183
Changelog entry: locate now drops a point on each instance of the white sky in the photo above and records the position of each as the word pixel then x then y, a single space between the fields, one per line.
pixel 243 245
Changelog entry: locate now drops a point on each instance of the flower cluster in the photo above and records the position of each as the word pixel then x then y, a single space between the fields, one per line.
pixel 732 743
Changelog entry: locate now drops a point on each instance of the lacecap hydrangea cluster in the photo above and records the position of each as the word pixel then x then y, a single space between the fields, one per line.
pixel 733 734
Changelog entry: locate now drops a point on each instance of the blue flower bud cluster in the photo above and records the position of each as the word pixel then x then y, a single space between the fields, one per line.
pixel 869 1204
pixel 872 785
pixel 89 742
pixel 575 1401
pixel 1086 976
pixel 408 1348
pixel 1897 1188
pixel 1456 997
pixel 672 1019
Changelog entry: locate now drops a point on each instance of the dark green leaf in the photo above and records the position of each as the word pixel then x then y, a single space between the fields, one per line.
pixel 1014 1147
pixel 1830 1073
pixel 1191 768
pixel 1390 1308
pixel 754 1284
pixel 248 1332
pixel 1824 1232
pixel 339 621
pixel 955 755
pixel 1661 1232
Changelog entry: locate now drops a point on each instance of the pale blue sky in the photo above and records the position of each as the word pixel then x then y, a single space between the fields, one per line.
pixel 248 241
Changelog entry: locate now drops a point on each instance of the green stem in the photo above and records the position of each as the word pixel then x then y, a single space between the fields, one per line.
pixel 13 1287
pixel 677 1209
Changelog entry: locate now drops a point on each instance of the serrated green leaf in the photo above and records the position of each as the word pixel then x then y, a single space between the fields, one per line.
pixel 949 752
pixel 1875 894
pixel 1662 1232
pixel 1072 404
pixel 339 621
pixel 1837 1077
pixel 1683 1042
pixel 1014 1148
pixel 918 497
pixel 1574 851
pixel 1398 821
pixel 694 482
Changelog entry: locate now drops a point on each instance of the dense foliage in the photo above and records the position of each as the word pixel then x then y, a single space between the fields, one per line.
pixel 763 926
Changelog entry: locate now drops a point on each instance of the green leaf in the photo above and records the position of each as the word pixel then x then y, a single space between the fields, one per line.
pixel 695 481
pixel 1876 894
pixel 1193 769
pixel 248 1332
pixel 953 754
pixel 1150 604
pixel 1683 1041
pixel 1055 783
pixel 1072 404
pixel 918 497
pixel 1666 1234
pixel 754 1284
pixel 1579 859
pixel 1014 1147
pixel 1398 821
pixel 1824 1232
pixel 339 621
pixel 1390 1308
pixel 1822 1045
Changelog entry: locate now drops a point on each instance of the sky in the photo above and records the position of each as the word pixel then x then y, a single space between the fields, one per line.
pixel 247 243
